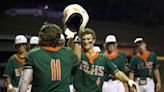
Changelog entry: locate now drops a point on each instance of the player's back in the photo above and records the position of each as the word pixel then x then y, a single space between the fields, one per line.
pixel 51 69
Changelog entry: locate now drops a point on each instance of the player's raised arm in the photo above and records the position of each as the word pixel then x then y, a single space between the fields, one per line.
pixel 75 19
pixel 76 47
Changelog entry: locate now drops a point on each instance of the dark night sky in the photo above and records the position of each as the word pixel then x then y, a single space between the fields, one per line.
pixel 128 18
pixel 147 12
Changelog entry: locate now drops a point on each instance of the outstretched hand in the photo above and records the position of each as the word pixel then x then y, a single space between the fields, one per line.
pixel 158 86
pixel 133 86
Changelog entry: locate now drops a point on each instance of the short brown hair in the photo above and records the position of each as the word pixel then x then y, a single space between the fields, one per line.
pixel 49 35
pixel 87 31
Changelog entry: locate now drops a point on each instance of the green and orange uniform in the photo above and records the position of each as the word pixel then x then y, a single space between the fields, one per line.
pixel 119 59
pixel 51 68
pixel 14 69
pixel 143 65
pixel 90 73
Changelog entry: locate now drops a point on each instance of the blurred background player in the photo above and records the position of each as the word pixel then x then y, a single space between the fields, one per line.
pixel 97 49
pixel 142 66
pixel 15 64
pixel 34 42
pixel 119 59
pixel 50 64
pixel 90 73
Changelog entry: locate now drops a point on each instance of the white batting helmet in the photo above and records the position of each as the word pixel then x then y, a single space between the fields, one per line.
pixel 20 39
pixel 34 40
pixel 110 38
pixel 75 8
pixel 138 40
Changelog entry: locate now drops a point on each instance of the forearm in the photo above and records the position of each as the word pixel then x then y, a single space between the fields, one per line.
pixel 157 74
pixel 76 48
pixel 71 43
pixel 126 87
pixel 120 75
pixel 125 79
pixel 8 81
pixel 131 75
pixel 25 81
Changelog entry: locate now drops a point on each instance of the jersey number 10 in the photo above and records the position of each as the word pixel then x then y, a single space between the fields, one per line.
pixel 55 70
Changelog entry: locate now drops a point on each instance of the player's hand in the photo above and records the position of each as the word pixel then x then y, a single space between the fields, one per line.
pixel 133 86
pixel 72 34
pixel 11 90
pixel 132 89
pixel 158 86
pixel 69 33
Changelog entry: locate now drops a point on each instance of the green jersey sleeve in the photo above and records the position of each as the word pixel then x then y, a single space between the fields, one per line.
pixel 110 66
pixel 132 65
pixel 29 62
pixel 156 63
pixel 9 68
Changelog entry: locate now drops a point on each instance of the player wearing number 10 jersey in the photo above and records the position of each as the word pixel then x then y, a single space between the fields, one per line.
pixel 51 63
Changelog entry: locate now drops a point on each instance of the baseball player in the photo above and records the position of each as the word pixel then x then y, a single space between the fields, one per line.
pixel 90 72
pixel 75 18
pixel 142 66
pixel 119 59
pixel 50 64
pixel 15 64
pixel 34 42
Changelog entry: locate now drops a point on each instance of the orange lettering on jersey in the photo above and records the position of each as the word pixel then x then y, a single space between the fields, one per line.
pixel 144 56
pixel 92 58
pixel 58 69
pixel 53 70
